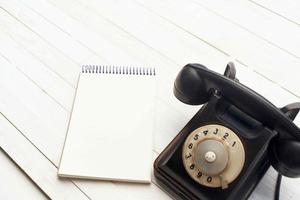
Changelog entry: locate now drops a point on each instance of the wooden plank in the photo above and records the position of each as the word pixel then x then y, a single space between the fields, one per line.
pixel 91 42
pixel 40 49
pixel 287 9
pixel 266 187
pixel 12 176
pixel 178 47
pixel 216 31
pixel 32 111
pixel 27 156
pixel 89 38
pixel 37 72
pixel 57 38
pixel 258 21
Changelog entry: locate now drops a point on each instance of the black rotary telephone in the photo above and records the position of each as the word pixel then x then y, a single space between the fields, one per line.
pixel 226 148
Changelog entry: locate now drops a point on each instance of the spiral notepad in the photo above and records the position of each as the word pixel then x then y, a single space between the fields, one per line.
pixel 110 129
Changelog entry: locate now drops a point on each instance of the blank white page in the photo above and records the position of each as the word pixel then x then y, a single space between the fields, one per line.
pixel 110 130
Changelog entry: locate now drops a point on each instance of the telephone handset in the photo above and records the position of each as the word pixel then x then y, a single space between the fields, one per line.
pixel 226 148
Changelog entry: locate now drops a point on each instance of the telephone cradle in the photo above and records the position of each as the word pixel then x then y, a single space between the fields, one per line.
pixel 227 147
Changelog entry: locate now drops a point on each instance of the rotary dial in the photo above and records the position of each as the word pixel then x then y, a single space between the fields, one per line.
pixel 213 155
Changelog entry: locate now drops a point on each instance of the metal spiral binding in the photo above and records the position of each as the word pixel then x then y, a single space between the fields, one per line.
pixel 99 69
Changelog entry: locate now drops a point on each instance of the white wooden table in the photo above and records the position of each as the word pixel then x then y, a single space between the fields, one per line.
pixel 43 43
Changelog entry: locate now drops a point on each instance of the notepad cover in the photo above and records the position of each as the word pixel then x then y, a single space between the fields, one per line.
pixel 110 129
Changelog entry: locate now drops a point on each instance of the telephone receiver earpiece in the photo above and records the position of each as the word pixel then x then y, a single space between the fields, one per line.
pixel 191 87
pixel 285 153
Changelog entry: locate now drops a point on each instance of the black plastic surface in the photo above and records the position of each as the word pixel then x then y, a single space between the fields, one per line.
pixel 170 171
pixel 195 83
pixel 268 134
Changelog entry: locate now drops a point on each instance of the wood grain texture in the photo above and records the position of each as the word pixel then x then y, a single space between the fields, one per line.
pixel 14 176
pixel 287 9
